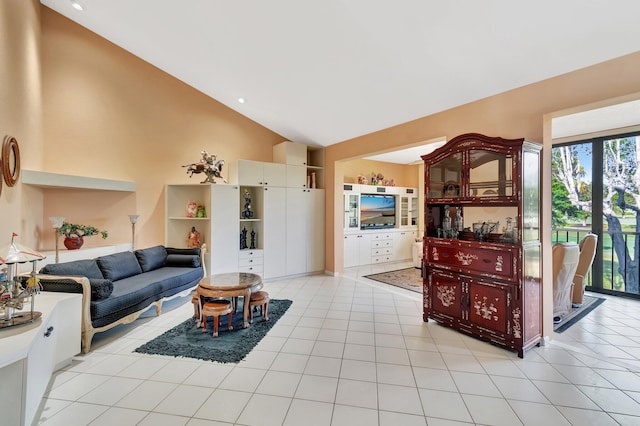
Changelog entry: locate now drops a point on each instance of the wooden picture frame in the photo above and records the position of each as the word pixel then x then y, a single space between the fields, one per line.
pixel 10 160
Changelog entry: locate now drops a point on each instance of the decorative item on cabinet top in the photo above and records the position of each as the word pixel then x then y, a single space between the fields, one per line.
pixel 207 165
pixel 14 291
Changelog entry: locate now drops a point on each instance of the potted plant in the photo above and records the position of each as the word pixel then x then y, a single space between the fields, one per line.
pixel 74 234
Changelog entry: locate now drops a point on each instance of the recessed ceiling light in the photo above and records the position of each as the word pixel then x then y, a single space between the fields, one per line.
pixel 76 5
pixel 241 100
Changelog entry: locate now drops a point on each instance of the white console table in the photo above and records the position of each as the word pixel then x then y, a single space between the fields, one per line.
pixel 30 353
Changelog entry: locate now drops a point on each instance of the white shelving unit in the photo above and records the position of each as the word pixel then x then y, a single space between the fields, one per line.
pixel 287 217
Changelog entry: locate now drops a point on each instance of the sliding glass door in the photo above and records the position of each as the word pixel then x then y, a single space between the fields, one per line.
pixel 596 188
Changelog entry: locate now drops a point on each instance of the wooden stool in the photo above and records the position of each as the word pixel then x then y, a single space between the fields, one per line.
pixel 259 298
pixel 196 305
pixel 214 309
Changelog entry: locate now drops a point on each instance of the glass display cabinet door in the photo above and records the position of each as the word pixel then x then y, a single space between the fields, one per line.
pixel 445 177
pixel 404 211
pixel 490 174
pixel 413 209
pixel 531 196
pixel 351 211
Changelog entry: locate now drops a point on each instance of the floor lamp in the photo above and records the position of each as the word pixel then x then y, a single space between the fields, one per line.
pixel 133 218
pixel 56 222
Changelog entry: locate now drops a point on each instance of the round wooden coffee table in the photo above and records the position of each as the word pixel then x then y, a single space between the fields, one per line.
pixel 232 284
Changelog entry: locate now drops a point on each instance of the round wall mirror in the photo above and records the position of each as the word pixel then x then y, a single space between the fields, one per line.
pixel 10 160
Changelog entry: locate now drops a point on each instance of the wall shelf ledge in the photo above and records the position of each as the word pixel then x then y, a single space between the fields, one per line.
pixel 57 180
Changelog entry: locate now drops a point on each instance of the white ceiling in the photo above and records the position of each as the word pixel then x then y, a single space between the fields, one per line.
pixel 321 72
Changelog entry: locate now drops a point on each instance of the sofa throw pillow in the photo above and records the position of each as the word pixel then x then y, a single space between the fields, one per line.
pixel 151 258
pixel 100 289
pixel 190 251
pixel 183 260
pixel 117 266
pixel 82 268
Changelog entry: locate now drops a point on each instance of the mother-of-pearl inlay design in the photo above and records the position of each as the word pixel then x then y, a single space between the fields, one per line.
pixel 446 294
pixel 466 258
pixel 517 333
pixel 484 310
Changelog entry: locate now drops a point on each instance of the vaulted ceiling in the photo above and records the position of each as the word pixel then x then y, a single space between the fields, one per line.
pixel 324 71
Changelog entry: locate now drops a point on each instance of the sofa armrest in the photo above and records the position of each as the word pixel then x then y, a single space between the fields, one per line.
pixel 71 284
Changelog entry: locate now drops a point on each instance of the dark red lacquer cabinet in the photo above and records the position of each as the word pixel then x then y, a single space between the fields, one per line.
pixel 481 251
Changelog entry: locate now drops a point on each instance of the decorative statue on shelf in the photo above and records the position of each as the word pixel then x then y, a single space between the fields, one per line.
pixel 247 213
pixel 253 240
pixel 202 213
pixel 243 239
pixel 194 238
pixel 192 208
pixel 207 165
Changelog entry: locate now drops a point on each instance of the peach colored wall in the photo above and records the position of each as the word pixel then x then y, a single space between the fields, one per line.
pixel 513 114
pixel 20 110
pixel 403 175
pixel 109 114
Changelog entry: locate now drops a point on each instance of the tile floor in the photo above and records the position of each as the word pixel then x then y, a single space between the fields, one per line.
pixel 351 351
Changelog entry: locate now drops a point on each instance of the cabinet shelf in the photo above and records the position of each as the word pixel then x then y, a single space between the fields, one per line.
pixel 250 220
pixel 188 218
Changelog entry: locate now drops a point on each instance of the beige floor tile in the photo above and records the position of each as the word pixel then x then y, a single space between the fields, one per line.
pixel 317 388
pixel 308 413
pixel 491 411
pixel 223 405
pixel 265 410
pixel 348 416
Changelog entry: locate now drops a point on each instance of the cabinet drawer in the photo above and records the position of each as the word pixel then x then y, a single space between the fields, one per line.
pixel 380 251
pixel 255 269
pixel 385 236
pixel 488 260
pixel 251 261
pixel 382 243
pixel 380 259
pixel 250 254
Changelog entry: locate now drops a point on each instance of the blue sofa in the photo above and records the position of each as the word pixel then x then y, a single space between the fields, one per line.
pixel 119 287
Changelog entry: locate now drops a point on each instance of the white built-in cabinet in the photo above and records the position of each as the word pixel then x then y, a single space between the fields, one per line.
pixel 275 244
pixel 305 229
pixel 366 246
pixel 30 353
pixel 287 217
pixel 224 212
pixel 258 173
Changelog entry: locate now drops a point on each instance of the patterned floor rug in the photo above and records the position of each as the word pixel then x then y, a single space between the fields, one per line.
pixel 408 278
pixel 185 340
pixel 588 305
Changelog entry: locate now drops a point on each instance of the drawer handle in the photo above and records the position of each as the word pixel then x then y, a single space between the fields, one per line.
pixel 486 260
pixel 250 260
pixel 48 332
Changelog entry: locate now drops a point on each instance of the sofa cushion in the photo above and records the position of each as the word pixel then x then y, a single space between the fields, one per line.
pixel 183 260
pixel 100 288
pixel 83 268
pixel 117 266
pixel 138 291
pixel 151 258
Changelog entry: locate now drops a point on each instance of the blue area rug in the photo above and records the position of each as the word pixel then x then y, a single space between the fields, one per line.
pixel 185 340
pixel 576 314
